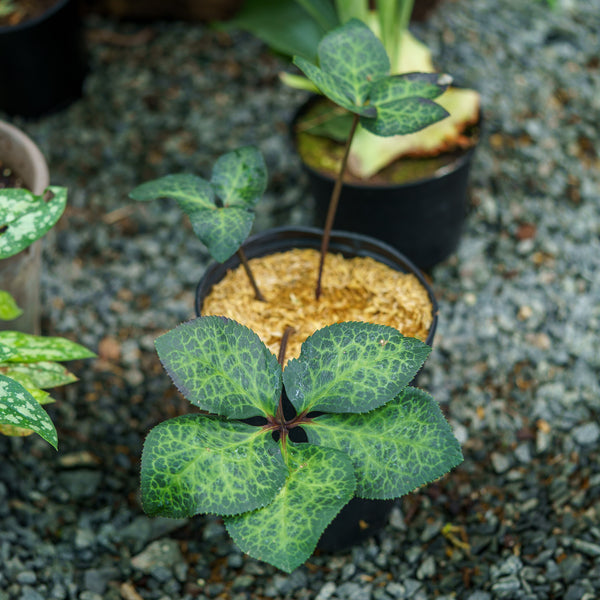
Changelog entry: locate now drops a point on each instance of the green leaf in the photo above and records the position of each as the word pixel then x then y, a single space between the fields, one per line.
pixel 220 211
pixel 200 464
pixel 394 449
pixel 285 533
pixel 43 374
pixel 18 408
pixel 29 348
pixel 351 58
pixel 24 217
pixel 352 368
pixel 222 367
pixel 336 89
pixel 8 307
pixel 6 352
pixel 404 104
pixel 40 396
pixel 356 56
pixel 282 24
pixel 239 178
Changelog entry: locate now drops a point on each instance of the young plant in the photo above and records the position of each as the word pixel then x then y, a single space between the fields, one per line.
pixel 220 210
pixel 295 28
pixel 25 217
pixel 354 73
pixel 369 434
pixel 29 365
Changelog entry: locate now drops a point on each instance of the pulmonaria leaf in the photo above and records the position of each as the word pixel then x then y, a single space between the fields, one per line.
pixel 28 348
pixel 394 449
pixel 18 408
pixel 352 368
pixel 405 103
pixel 220 210
pixel 43 374
pixel 25 217
pixel 202 464
pixel 285 532
pixel 350 58
pixel 8 307
pixel 222 367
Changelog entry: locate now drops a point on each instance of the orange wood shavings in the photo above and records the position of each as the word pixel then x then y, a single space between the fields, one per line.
pixel 354 289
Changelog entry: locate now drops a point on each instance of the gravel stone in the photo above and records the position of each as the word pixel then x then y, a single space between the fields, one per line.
pixel 515 358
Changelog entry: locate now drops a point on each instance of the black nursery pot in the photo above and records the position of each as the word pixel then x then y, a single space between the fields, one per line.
pixel 43 62
pixel 360 518
pixel 423 219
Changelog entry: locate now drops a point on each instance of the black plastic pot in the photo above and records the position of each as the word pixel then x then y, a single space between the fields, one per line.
pixel 423 219
pixel 43 62
pixel 360 518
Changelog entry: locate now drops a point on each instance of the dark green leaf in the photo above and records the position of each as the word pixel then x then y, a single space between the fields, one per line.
pixel 352 367
pixel 394 449
pixel 404 104
pixel 200 464
pixel 222 367
pixel 285 533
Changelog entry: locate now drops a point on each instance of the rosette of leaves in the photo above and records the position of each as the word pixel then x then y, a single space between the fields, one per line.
pixel 369 434
pixel 221 210
pixel 29 365
pixel 25 217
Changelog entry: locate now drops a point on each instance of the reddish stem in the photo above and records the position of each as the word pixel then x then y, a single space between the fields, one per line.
pixel 257 293
pixel 333 204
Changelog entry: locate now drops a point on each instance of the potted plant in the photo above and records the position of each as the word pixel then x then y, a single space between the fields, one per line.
pixel 22 165
pixel 29 365
pixel 43 59
pixel 368 433
pixel 221 213
pixel 410 190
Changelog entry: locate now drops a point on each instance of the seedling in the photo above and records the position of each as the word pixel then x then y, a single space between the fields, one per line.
pixel 369 434
pixel 354 73
pixel 221 210
pixel 25 217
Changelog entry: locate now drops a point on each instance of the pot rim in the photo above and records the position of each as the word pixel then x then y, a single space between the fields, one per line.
pixel 37 177
pixel 445 170
pixel 30 23
pixel 359 240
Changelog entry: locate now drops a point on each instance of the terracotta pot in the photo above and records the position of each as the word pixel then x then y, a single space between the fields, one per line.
pixel 360 518
pixel 20 274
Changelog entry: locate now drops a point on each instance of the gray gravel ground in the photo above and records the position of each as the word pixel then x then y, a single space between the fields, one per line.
pixel 516 361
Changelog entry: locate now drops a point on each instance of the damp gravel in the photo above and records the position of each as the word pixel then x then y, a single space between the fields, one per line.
pixel 516 360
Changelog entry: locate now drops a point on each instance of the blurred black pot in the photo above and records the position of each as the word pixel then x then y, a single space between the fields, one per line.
pixel 423 219
pixel 43 62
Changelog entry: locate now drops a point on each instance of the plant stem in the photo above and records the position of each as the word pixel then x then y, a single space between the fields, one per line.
pixel 257 293
pixel 289 330
pixel 333 203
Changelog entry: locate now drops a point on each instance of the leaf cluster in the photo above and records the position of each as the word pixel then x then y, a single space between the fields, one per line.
pixel 221 210
pixel 29 365
pixel 354 73
pixel 369 433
